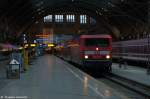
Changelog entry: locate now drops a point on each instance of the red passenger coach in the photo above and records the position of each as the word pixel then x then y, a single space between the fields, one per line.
pixel 90 51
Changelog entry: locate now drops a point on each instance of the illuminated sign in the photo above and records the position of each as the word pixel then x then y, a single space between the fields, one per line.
pixel 20 48
pixel 42 39
pixel 50 45
pixel 32 45
pixel 42 36
pixel 26 45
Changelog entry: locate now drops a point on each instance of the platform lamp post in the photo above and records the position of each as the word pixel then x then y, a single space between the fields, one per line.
pixel 148 30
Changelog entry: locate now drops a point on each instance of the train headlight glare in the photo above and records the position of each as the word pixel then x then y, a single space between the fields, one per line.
pixel 97 49
pixel 108 56
pixel 86 56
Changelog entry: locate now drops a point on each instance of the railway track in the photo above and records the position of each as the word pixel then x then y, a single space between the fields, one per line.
pixel 137 87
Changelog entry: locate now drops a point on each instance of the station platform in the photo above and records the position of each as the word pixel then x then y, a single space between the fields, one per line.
pixel 134 73
pixel 52 78
pixel 3 64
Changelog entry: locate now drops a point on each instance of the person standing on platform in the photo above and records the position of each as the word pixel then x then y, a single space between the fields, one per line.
pixel 120 62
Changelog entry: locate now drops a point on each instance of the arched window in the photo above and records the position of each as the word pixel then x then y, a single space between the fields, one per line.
pixel 48 18
pixel 83 19
pixel 59 18
pixel 70 18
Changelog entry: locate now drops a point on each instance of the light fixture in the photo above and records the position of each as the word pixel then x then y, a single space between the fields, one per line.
pixel 32 45
pixel 86 56
pixel 50 45
pixel 107 56
pixel 97 49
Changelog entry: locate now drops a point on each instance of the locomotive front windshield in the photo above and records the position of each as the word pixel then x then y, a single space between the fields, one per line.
pixel 99 42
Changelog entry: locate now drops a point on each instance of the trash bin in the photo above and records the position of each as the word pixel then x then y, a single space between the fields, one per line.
pixel 13 69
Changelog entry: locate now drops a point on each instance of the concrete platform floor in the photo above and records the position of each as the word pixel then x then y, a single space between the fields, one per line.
pixel 52 78
pixel 134 73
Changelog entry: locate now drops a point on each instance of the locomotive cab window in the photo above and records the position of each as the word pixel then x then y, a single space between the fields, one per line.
pixel 100 42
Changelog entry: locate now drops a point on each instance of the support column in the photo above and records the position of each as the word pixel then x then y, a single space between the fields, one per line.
pixel 149 12
pixel 65 18
pixel 53 21
pixel 53 18
pixel 77 23
pixel 148 25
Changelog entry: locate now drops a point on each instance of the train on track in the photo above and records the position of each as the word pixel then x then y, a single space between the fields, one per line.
pixel 89 51
pixel 132 50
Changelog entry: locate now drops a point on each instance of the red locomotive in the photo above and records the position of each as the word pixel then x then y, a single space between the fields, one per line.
pixel 90 51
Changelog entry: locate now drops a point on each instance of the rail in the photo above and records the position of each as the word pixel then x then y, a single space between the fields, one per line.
pixel 137 87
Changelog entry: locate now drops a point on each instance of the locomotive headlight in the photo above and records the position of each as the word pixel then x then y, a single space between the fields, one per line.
pixel 97 49
pixel 86 56
pixel 108 56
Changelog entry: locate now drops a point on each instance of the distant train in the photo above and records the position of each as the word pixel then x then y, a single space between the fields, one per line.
pixel 89 51
pixel 132 50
